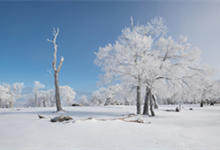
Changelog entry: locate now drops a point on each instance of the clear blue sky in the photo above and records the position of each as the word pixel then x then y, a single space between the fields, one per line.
pixel 25 55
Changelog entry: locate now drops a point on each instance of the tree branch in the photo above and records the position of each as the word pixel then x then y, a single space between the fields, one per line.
pixel 61 63
pixel 53 41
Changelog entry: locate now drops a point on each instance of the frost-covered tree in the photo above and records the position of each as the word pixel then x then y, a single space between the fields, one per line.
pixel 46 97
pixel 10 93
pixel 96 98
pixel 16 91
pixel 56 68
pixel 122 60
pixel 83 100
pixel 37 87
pixel 194 87
pixel 207 89
pixel 215 94
pixel 177 59
pixel 110 95
pixel 67 95
pixel 145 56
pixel 4 96
pixel 43 98
pixel 103 96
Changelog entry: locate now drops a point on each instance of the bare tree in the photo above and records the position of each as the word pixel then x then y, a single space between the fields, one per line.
pixel 56 69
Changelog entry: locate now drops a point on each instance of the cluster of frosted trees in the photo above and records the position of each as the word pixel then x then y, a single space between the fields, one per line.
pixel 195 93
pixel 9 94
pixel 113 95
pixel 152 66
pixel 41 97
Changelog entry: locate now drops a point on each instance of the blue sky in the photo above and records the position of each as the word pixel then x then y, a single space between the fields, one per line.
pixel 25 55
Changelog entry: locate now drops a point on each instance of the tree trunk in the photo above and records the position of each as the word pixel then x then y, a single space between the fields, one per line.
pixel 155 102
pixel 56 69
pixel 151 103
pixel 57 92
pixel 146 103
pixel 138 100
pixel 139 97
pixel 201 103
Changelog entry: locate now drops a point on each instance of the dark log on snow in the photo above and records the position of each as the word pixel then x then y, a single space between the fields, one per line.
pixel 76 105
pixel 41 117
pixel 61 118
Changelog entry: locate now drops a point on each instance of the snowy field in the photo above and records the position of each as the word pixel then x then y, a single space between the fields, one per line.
pixel 197 129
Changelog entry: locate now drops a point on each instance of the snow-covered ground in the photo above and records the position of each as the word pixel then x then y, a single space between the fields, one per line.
pixel 197 129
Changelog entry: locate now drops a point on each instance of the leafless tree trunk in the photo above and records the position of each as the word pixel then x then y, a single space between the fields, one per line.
pixel 151 103
pixel 155 102
pixel 138 97
pixel 149 98
pixel 201 103
pixel 56 70
pixel 57 92
pixel 146 103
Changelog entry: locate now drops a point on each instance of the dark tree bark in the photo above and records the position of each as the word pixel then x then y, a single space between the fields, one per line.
pixel 201 103
pixel 149 99
pixel 138 97
pixel 146 103
pixel 138 100
pixel 155 102
pixel 151 103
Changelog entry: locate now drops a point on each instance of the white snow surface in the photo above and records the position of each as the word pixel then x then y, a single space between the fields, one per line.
pixel 197 129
